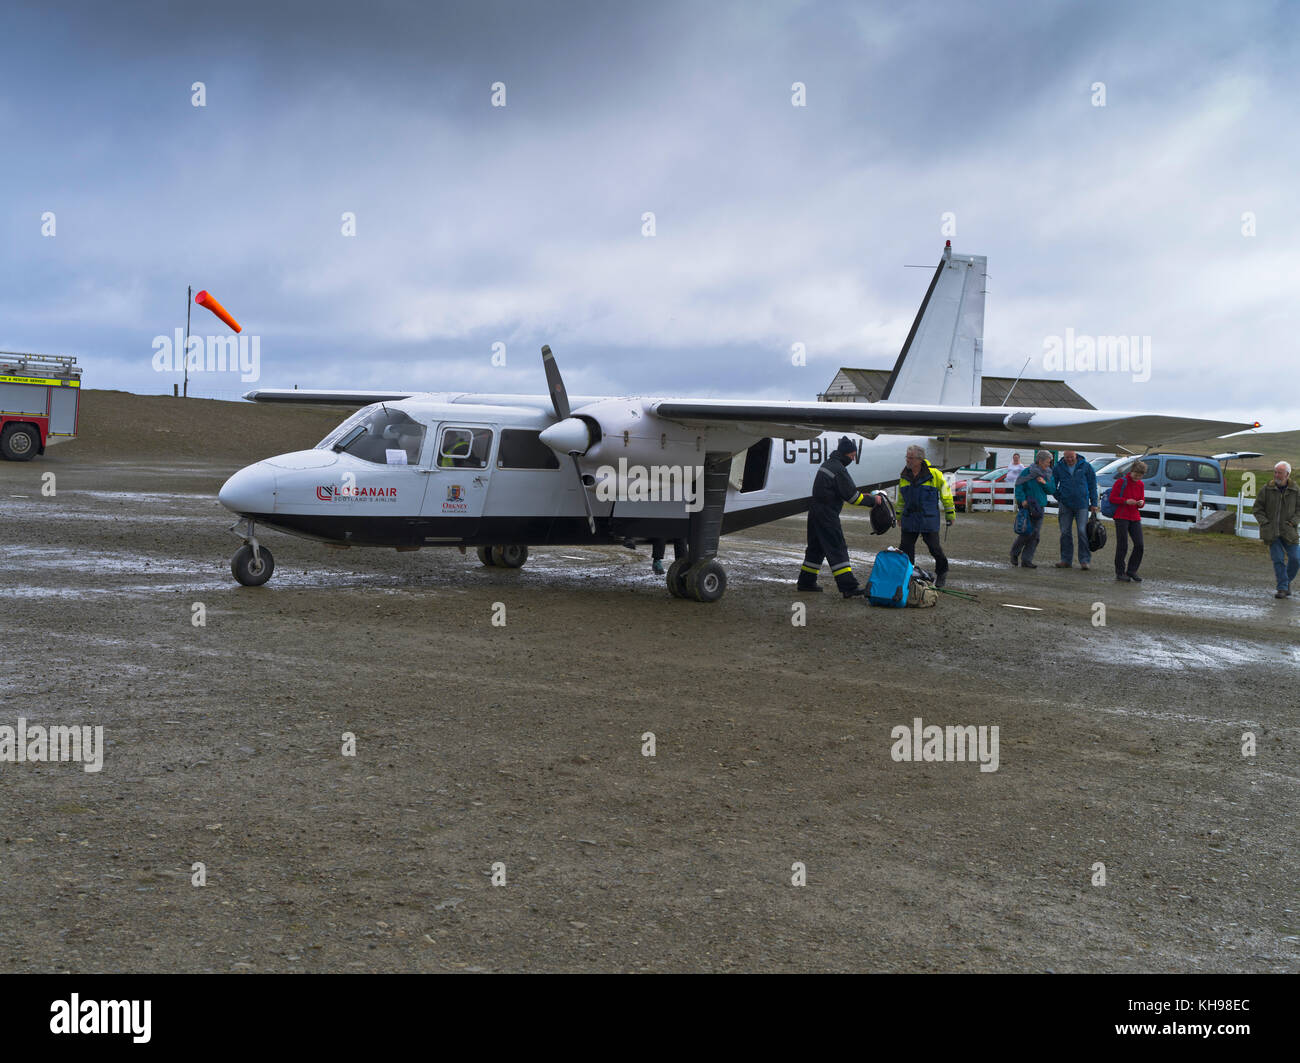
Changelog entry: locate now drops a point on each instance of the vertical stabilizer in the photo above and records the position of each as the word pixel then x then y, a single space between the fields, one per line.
pixel 942 358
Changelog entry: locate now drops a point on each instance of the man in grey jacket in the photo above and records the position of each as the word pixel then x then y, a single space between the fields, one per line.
pixel 1277 509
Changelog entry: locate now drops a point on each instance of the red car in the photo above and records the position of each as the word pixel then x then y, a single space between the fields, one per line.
pixel 1002 490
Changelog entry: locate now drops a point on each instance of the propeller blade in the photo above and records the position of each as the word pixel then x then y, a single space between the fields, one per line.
pixel 554 384
pixel 586 500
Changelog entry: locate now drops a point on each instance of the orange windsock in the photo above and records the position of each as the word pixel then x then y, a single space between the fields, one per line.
pixel 205 299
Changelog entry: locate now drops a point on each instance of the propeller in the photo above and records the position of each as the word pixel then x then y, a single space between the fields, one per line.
pixel 555 384
pixel 569 435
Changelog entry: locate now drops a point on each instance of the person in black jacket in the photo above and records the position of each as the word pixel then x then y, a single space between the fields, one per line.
pixel 832 487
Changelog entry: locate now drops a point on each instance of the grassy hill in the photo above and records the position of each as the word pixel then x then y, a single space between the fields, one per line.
pixel 1275 446
pixel 117 424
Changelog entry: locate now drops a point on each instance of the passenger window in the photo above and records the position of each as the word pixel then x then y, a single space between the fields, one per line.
pixel 1177 469
pixel 1207 473
pixel 524 450
pixel 464 448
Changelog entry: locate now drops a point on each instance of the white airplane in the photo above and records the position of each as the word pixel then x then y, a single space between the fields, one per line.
pixel 506 472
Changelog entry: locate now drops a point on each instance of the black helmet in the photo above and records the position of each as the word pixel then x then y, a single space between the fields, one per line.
pixel 882 517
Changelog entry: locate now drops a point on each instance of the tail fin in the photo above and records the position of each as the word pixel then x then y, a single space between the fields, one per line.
pixel 942 359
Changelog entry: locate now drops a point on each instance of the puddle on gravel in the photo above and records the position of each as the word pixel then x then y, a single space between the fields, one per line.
pixel 142 496
pixel 754 562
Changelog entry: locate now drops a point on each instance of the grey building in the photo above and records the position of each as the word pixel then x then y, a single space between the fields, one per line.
pixel 867 385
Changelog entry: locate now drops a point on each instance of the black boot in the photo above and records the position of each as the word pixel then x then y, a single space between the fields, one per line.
pixel 807 582
pixel 848 586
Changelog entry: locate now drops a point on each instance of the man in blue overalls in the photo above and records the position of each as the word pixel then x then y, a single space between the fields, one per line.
pixel 832 487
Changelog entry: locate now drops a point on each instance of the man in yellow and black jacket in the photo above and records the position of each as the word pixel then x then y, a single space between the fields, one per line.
pixel 922 489
pixel 832 487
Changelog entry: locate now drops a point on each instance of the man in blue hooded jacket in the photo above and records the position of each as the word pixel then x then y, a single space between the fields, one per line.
pixel 1076 498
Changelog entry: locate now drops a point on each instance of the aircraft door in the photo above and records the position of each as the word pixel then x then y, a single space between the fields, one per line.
pixel 460 468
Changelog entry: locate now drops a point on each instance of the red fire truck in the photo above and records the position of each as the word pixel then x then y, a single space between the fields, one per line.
pixel 40 396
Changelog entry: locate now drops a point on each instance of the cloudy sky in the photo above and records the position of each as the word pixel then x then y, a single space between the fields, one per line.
pixel 774 224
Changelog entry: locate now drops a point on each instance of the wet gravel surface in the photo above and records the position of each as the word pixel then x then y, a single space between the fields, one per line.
pixel 522 745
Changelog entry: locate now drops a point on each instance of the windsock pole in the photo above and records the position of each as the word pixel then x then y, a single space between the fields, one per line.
pixel 207 301
pixel 185 353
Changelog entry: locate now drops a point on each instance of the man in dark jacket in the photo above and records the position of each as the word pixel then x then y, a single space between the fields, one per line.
pixel 832 487
pixel 1277 509
pixel 1076 497
pixel 922 489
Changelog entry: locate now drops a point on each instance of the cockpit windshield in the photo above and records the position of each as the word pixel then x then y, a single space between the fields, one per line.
pixel 379 434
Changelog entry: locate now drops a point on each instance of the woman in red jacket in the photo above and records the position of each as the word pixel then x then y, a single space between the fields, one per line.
pixel 1129 496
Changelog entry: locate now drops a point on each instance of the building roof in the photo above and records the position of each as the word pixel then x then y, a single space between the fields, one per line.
pixel 869 384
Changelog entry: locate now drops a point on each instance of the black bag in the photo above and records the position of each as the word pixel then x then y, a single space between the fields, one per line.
pixel 1023 525
pixel 1096 532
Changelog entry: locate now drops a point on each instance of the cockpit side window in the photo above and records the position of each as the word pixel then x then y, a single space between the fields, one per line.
pixel 464 448
pixel 384 436
pixel 339 431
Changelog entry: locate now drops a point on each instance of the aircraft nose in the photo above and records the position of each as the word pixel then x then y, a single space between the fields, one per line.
pixel 251 490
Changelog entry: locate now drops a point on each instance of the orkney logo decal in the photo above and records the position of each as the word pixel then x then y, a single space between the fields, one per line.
pixel 455 500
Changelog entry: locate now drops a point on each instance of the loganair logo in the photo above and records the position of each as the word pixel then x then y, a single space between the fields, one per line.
pixel 353 493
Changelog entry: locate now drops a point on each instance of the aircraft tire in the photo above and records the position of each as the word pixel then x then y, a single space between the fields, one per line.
pixel 19 442
pixel 485 555
pixel 512 555
pixel 706 581
pixel 676 579
pixel 250 574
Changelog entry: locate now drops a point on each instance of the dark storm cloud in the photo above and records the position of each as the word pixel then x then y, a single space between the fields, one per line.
pixel 522 224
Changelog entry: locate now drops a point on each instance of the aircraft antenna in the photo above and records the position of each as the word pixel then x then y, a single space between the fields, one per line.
pixel 1016 381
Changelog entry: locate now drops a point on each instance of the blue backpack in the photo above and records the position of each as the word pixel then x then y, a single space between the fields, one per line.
pixel 1109 508
pixel 891 578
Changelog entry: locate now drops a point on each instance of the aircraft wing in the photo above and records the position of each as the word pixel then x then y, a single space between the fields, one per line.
pixel 975 424
pixel 324 397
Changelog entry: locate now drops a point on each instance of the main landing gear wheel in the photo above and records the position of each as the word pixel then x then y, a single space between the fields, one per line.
pixel 706 581
pixel 19 442
pixel 676 579
pixel 510 556
pixel 249 571
pixel 485 555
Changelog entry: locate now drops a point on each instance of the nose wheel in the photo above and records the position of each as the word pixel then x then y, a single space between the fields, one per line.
pixel 252 564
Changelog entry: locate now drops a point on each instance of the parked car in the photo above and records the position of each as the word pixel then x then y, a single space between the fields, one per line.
pixel 1180 473
pixel 1001 488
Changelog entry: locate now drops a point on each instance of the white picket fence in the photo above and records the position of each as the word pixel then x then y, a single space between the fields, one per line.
pixel 1164 508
